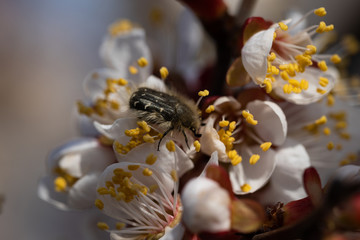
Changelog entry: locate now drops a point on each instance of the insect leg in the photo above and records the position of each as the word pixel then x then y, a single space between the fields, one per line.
pixel 166 132
pixel 186 140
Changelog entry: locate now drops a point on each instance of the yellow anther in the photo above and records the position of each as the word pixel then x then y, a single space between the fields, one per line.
pixel 197 146
pixel 246 187
pixel 283 26
pixel 287 88
pixel 284 75
pixel 304 84
pixel 147 172
pixel 303 60
pixel 265 146
pixel 274 70
pixel 102 191
pixel 133 167
pixel 294 82
pixel 109 184
pixel 119 225
pixel 170 145
pixel 153 188
pixel 338 147
pixel 321 120
pixel 144 126
pixel 345 135
pixel 236 160
pixel 251 120
pixel 133 70
pixel 339 116
pixel 254 159
pixel 149 139
pixel 120 196
pixel 321 91
pixel 151 159
pixel 274 36
pixel 335 58
pixel 210 109
pixel 341 125
pixel 164 72
pixel 174 176
pixel 99 204
pixel 329 28
pixel 60 184
pixel 103 226
pixel 323 81
pixel 322 65
pixel 327 131
pixel 132 132
pixel 320 11
pixel 203 93
pixel 321 28
pixel 82 109
pixel 142 62
pixel 271 57
pixel 310 50
pixel 344 162
pixel 232 126
pixel 224 123
pixel 268 85
pixel 246 114
pixel 114 104
pixel 330 146
pixel 121 82
pixel 120 26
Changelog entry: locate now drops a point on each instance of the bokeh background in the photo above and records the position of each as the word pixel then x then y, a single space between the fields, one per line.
pixel 46 49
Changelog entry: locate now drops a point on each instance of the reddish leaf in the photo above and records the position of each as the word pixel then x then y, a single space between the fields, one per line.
pixel 246 215
pixel 296 210
pixel 236 75
pixel 312 185
pixel 207 9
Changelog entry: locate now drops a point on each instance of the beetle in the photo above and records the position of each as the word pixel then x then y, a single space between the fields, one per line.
pixel 169 111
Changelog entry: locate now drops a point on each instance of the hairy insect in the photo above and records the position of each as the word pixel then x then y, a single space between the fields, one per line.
pixel 168 111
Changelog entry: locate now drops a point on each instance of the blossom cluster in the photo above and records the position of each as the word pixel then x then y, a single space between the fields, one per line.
pixel 235 146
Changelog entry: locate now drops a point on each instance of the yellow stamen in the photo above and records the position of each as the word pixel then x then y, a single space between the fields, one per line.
pixel 149 139
pixel 103 226
pixel 330 146
pixel 284 75
pixel 151 159
pixel 321 91
pixel 254 159
pixel 210 109
pixel 133 70
pixel 320 12
pixel 330 100
pixel 147 172
pixel 321 120
pixel 119 225
pixel 287 88
pixel 311 49
pixel 203 93
pixel 99 204
pixel 164 72
pixel 304 84
pixel 345 135
pixel 321 28
pixel 268 86
pixel 274 35
pixel 121 82
pixel 265 146
pixel 246 187
pixel 335 58
pixel 224 123
pixel 322 65
pixel 120 26
pixel 232 126
pixel 341 125
pixel 283 26
pixel 133 167
pixel 60 184
pixel 82 109
pixel 197 146
pixel 327 131
pixel 153 188
pixel 170 145
pixel 323 81
pixel 271 57
pixel 142 62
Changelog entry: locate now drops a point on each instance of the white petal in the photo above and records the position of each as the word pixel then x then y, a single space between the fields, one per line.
pixel 272 125
pixel 310 95
pixel 124 50
pixel 199 213
pixel 256 175
pixel 227 104
pixel 210 141
pixel 174 233
pixel 117 129
pixel 255 52
pixel 214 160
pixel 286 182
pixel 82 194
pixel 155 83
pixel 85 156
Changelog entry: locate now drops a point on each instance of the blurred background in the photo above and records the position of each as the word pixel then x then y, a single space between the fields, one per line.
pixel 46 49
